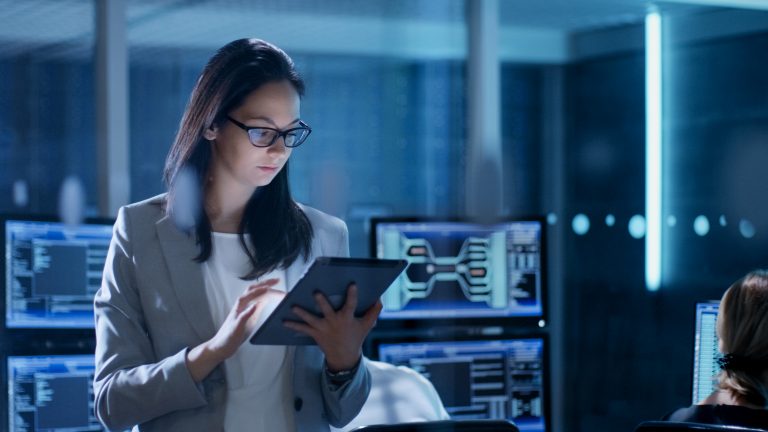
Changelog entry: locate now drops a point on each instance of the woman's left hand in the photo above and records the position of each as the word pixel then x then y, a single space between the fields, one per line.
pixel 339 334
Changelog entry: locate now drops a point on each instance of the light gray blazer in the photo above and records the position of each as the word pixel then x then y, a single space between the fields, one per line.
pixel 152 308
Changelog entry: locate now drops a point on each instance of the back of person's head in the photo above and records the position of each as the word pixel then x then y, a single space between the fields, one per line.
pixel 743 332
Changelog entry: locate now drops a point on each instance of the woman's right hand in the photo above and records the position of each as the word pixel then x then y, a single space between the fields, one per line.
pixel 237 326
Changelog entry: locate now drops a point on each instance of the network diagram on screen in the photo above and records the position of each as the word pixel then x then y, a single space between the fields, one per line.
pixel 52 272
pixel 498 379
pixel 459 269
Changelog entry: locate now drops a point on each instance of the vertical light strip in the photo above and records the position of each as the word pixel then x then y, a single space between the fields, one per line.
pixel 653 143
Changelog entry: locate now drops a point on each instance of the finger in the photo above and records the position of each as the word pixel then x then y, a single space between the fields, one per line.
pixel 248 312
pixel 301 328
pixel 245 299
pixel 351 303
pixel 264 284
pixel 254 290
pixel 309 318
pixel 325 307
pixel 372 314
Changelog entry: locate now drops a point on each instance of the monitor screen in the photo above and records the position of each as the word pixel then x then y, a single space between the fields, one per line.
pixel 51 393
pixel 705 352
pixel 462 269
pixel 492 379
pixel 52 272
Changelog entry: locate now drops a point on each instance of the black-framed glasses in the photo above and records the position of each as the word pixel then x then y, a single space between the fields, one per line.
pixel 266 136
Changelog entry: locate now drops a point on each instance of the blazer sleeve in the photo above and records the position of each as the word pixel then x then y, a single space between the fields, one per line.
pixel 343 402
pixel 130 385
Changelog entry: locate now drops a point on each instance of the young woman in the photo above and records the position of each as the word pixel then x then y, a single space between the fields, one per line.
pixel 191 272
pixel 741 398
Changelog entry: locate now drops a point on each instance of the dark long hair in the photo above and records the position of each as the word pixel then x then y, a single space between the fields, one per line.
pixel 279 230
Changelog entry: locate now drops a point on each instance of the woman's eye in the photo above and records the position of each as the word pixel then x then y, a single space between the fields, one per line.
pixel 262 134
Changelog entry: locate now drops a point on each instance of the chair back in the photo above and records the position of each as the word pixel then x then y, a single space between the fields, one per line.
pixel 669 426
pixel 445 426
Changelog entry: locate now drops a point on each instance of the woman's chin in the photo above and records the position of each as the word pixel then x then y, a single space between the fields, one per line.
pixel 262 181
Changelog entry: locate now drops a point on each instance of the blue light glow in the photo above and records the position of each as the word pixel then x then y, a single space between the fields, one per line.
pixel 746 228
pixel 653 137
pixel 580 224
pixel 551 218
pixel 701 225
pixel 671 220
pixel 636 226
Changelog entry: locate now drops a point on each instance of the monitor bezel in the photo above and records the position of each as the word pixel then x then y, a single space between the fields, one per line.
pixel 540 320
pixel 26 336
pixel 374 342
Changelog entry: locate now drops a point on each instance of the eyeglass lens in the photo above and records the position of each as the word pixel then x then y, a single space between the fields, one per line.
pixel 266 137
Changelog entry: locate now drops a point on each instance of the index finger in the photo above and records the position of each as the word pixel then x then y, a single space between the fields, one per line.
pixel 351 303
pixel 265 283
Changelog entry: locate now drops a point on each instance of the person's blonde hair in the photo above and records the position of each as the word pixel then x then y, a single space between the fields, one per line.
pixel 743 330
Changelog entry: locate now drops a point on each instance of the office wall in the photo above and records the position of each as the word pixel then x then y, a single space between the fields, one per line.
pixel 522 90
pixel 629 352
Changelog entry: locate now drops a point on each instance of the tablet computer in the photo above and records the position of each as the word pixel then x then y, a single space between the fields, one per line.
pixel 330 276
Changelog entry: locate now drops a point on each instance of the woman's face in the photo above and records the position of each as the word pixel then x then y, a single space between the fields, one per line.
pixel 274 105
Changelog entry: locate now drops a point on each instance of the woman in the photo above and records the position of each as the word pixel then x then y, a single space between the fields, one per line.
pixel 191 273
pixel 741 397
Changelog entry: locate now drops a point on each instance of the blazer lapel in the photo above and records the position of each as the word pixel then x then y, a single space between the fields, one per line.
pixel 179 251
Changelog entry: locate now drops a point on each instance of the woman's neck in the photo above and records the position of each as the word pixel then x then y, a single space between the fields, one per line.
pixel 725 397
pixel 224 204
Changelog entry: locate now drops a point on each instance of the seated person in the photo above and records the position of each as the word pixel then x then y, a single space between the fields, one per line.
pixel 398 395
pixel 741 397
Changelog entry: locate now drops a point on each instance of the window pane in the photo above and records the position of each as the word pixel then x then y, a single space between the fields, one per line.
pixel 47 118
pixel 716 154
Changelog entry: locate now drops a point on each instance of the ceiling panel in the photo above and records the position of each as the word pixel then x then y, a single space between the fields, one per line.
pixel 413 27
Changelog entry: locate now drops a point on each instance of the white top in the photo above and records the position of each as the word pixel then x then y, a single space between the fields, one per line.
pixel 398 395
pixel 259 378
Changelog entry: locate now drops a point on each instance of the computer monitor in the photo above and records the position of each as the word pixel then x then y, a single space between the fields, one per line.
pixel 51 393
pixel 52 272
pixel 705 351
pixel 459 269
pixel 481 379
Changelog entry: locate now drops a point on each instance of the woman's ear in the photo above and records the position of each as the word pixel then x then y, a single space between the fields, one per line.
pixel 210 133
